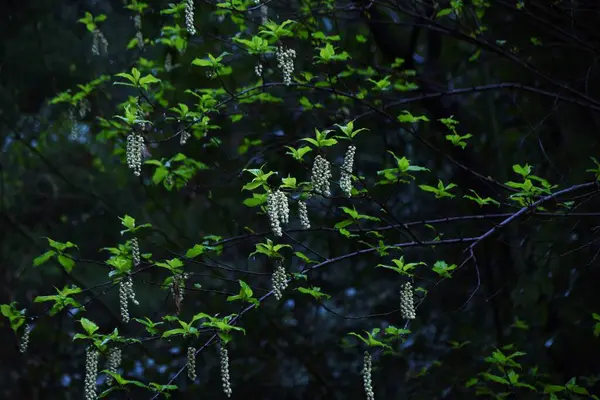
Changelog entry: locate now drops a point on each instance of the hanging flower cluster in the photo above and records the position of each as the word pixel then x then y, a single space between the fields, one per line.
pixel 84 108
pixel 264 14
pixel 225 371
pixel 258 70
pixel 303 213
pixel 285 62
pixel 99 43
pixel 191 363
pixel 135 147
pixel 73 122
pixel 126 293
pixel 346 178
pixel 113 362
pixel 25 339
pixel 137 22
pixel 183 138
pixel 278 210
pixel 178 288
pixel 366 373
pixel 279 281
pixel 91 372
pixel 135 252
pixel 168 62
pixel 407 304
pixel 189 17
pixel 321 174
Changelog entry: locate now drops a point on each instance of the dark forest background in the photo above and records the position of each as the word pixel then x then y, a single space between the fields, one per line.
pixel 521 77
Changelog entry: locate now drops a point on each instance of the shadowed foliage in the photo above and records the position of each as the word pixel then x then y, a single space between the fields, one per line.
pixel 159 196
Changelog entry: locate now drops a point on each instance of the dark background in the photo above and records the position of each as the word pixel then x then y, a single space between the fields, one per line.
pixel 525 87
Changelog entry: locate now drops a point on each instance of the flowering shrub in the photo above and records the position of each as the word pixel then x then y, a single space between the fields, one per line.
pixel 237 117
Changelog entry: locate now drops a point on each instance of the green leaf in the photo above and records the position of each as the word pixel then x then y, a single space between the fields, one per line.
pixel 471 382
pixel 573 387
pixel 245 294
pixel 402 268
pixel 128 221
pixel 39 260
pixel 289 183
pixel 370 340
pixel 178 331
pixel 314 292
pixel 60 246
pixel 195 251
pixel 66 262
pixel 6 310
pixel 443 12
pixel 524 171
pixel 495 378
pixel 159 175
pixel 553 389
pixel 256 200
pixel 148 79
pixel 88 326
pixel 482 202
pixel 80 336
pixel 304 258
pixel 394 331
pixel 443 269
pixel 407 117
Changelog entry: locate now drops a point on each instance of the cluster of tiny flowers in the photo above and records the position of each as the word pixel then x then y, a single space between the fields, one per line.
pixel 84 108
pixel 135 147
pixel 91 372
pixel 73 121
pixel 189 17
pixel 321 174
pixel 135 252
pixel 225 371
pixel 139 38
pixel 285 62
pixel 191 363
pixel 278 210
pixel 137 22
pixel 179 284
pixel 346 178
pixel 303 213
pixel 168 62
pixel 407 304
pixel 112 363
pixel 264 14
pixel 366 373
pixel 99 43
pixel 25 339
pixel 183 138
pixel 284 207
pixel 126 292
pixel 279 281
pixel 258 69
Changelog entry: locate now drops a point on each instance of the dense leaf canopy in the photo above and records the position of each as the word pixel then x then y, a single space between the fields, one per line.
pixel 304 198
